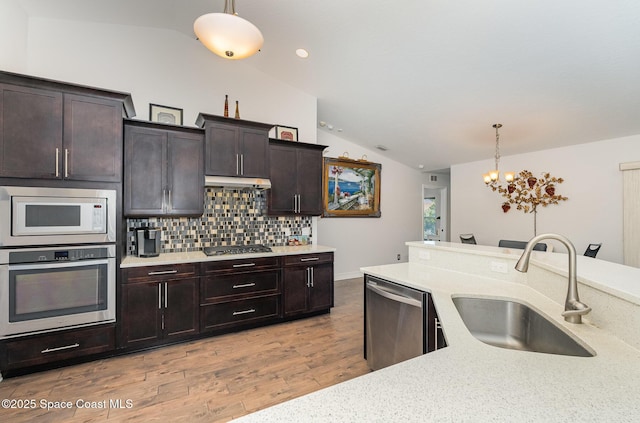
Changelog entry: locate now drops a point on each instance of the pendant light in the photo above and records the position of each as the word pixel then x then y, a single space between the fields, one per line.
pixel 227 34
pixel 494 175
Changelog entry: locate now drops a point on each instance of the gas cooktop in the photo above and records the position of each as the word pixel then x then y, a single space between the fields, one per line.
pixel 236 249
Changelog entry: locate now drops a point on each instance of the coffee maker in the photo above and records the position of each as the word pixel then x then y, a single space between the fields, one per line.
pixel 148 242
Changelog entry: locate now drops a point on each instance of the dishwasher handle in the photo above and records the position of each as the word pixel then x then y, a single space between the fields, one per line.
pixel 393 296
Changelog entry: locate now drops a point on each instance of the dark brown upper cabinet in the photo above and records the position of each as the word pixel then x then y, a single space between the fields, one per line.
pixel 56 130
pixel 235 147
pixel 163 170
pixel 296 178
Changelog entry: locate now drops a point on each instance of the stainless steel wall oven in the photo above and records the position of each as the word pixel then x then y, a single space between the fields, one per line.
pixel 57 259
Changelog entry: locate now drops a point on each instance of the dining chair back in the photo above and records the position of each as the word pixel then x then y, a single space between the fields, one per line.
pixel 592 250
pixel 468 239
pixel 505 243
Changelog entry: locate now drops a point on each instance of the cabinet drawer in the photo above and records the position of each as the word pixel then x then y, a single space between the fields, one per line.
pixel 220 316
pixel 150 273
pixel 59 346
pixel 222 287
pixel 240 265
pixel 308 259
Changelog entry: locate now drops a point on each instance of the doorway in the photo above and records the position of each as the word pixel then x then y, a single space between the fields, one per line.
pixel 434 214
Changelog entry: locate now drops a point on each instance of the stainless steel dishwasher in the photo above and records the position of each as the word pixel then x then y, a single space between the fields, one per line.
pixel 394 323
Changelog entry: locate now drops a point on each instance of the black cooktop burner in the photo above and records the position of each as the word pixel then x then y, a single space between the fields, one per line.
pixel 236 249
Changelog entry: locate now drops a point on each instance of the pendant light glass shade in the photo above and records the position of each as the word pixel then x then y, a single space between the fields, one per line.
pixel 228 35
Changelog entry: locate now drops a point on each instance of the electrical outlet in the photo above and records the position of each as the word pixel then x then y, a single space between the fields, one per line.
pixel 398 257
pixel 499 267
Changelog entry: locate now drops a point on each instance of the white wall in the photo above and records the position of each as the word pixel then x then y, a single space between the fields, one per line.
pixel 592 182
pixel 160 66
pixel 13 39
pixel 366 241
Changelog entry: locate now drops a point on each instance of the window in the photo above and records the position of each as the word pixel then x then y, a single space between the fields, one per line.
pixel 429 217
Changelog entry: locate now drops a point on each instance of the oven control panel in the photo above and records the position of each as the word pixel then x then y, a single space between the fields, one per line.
pixel 61 255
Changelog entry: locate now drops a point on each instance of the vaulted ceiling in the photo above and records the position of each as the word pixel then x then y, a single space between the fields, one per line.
pixel 429 78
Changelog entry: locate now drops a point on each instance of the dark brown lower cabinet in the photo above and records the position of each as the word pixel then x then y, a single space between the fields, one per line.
pixel 236 293
pixel 307 283
pixel 159 305
pixel 56 346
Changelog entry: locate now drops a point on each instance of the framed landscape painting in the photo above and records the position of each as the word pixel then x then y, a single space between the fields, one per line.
pixel 351 188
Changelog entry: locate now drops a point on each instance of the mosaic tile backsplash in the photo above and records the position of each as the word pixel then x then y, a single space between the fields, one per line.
pixel 231 217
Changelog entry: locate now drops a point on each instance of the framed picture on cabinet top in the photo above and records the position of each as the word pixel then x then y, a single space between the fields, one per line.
pixel 165 114
pixel 351 188
pixel 286 133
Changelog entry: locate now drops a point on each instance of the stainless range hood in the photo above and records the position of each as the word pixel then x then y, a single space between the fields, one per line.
pixel 236 182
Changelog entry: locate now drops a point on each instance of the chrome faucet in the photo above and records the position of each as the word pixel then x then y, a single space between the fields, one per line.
pixel 573 308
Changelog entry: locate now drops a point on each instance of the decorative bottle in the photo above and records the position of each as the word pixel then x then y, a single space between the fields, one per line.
pixel 237 110
pixel 226 105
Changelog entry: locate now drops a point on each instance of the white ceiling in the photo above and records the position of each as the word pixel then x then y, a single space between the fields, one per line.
pixel 429 78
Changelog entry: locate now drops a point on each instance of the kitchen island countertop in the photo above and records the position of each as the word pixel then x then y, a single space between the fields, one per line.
pixel 199 256
pixel 472 381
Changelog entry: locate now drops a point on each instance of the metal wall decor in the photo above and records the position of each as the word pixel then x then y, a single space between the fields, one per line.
pixel 527 192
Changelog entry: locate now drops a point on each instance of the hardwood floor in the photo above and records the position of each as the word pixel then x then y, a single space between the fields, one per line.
pixel 213 380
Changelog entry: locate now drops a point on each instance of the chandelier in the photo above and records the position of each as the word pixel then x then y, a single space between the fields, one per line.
pixel 227 34
pixel 494 175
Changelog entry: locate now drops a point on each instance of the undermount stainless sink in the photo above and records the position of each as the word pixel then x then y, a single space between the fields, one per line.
pixel 509 324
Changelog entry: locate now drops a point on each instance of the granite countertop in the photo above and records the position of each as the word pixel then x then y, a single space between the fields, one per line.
pixel 198 256
pixel 472 381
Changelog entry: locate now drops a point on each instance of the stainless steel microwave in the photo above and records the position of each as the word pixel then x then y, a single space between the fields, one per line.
pixel 56 216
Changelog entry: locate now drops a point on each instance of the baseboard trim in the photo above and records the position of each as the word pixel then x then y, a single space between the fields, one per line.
pixel 350 275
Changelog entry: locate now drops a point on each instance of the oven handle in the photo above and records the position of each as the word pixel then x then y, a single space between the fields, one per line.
pixel 58 265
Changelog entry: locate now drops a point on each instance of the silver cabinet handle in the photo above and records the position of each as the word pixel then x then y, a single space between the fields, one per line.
pixel 311 273
pixel 244 265
pixel 310 259
pixel 57 162
pixel 299 198
pixel 163 272
pixel 66 347
pixel 159 297
pixel 66 162
pixel 237 313
pixel 237 164
pixel 241 164
pixel 295 204
pixel 308 283
pixel 244 285
pixel 166 295
pixel 164 202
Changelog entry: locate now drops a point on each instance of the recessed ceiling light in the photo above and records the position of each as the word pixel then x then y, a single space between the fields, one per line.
pixel 302 53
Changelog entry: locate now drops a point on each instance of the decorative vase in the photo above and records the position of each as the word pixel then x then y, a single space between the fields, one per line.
pixel 226 105
pixel 237 110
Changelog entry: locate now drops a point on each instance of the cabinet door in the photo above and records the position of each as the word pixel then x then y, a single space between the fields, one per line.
pixel 185 174
pixel 144 174
pixel 295 290
pixel 309 171
pixel 142 311
pixel 283 180
pixel 30 132
pixel 222 155
pixel 92 139
pixel 181 307
pixel 255 153
pixel 321 290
